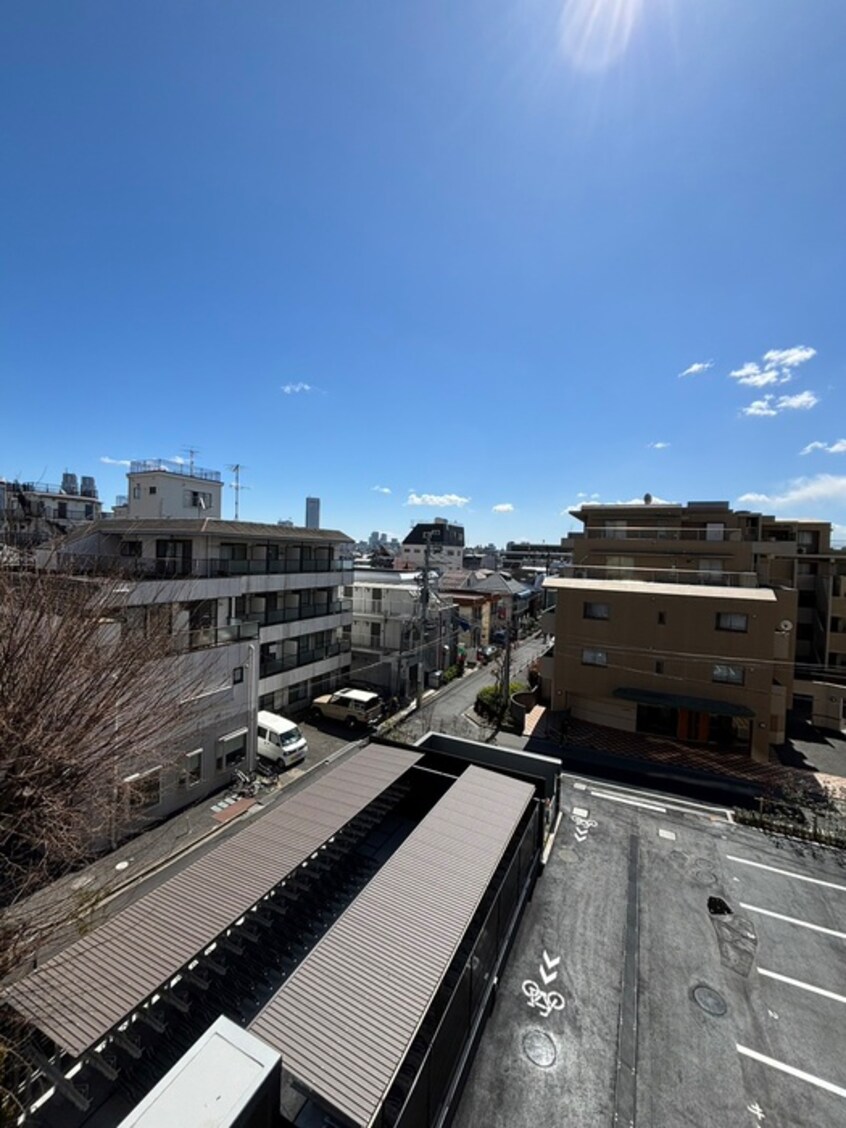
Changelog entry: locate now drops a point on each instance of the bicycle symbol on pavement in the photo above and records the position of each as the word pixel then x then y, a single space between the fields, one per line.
pixel 545 1001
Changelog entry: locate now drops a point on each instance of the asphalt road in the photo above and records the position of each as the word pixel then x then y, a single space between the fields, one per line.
pixel 619 927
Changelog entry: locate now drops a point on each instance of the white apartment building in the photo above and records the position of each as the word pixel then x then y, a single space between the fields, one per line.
pixel 265 599
pixel 34 512
pixel 389 642
pixel 446 543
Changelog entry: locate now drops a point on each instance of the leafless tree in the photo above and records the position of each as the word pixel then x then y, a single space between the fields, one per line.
pixel 88 696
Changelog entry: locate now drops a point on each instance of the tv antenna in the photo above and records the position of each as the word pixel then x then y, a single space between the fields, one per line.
pixel 192 453
pixel 236 468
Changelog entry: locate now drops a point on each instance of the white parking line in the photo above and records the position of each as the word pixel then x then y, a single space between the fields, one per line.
pixel 629 802
pixel 787 873
pixel 793 920
pixel 792 1070
pixel 804 986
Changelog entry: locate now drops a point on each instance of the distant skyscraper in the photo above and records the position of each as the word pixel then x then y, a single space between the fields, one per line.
pixel 312 512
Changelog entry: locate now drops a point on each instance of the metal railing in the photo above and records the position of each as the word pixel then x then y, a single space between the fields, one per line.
pixel 295 614
pixel 268 667
pixel 149 465
pixel 660 575
pixel 672 533
pixel 167 568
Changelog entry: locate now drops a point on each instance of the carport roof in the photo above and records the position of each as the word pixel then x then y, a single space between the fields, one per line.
pixel 80 994
pixel 346 1018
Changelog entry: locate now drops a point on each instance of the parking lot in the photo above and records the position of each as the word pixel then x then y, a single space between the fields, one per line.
pixel 628 999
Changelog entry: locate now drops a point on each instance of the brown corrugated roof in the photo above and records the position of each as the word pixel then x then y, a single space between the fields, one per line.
pixel 80 994
pixel 345 1019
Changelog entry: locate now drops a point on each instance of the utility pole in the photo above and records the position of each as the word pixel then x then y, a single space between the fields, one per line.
pixel 424 612
pixel 506 664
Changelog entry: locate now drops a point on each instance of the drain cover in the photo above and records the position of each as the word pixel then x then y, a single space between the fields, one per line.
pixel 539 1048
pixel 705 877
pixel 709 1000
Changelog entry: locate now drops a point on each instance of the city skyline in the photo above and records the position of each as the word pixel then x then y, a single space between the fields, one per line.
pixel 483 266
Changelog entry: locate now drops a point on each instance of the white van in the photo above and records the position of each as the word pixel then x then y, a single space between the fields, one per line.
pixel 280 740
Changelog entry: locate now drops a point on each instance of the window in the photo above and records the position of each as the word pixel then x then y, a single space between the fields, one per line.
pixel 196 499
pixel 348 591
pixel 153 489
pixel 143 790
pixel 714 531
pixel 231 750
pixel 594 658
pixel 130 548
pixel 732 621
pixel 375 634
pixel 662 618
pixel 136 492
pixel 193 767
pixel 727 675
pixel 595 611
pixel 237 675
pixel 659 666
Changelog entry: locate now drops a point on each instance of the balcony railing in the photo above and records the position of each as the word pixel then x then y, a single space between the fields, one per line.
pixel 268 667
pixel 147 568
pixel 660 575
pixel 149 465
pixel 204 637
pixel 674 533
pixel 297 614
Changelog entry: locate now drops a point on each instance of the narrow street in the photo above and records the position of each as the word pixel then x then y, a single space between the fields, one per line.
pixel 444 711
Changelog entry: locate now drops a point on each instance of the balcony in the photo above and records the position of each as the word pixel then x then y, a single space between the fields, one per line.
pixel 661 533
pixel 268 667
pixel 601 572
pixel 298 614
pixel 204 637
pixel 150 568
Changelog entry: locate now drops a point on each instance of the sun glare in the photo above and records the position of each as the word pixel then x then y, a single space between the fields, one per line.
pixel 596 33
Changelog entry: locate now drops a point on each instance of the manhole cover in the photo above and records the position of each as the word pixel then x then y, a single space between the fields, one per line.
pixel 539 1048
pixel 705 877
pixel 709 1000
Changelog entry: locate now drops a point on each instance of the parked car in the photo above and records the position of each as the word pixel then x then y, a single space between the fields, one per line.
pixel 279 740
pixel 486 654
pixel 353 707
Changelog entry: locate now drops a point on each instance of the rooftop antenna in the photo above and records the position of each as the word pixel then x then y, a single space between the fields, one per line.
pixel 236 468
pixel 192 451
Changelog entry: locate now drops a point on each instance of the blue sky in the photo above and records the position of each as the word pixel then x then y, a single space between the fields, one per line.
pixel 459 251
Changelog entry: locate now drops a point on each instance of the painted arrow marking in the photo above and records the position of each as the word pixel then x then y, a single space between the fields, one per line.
pixel 551 964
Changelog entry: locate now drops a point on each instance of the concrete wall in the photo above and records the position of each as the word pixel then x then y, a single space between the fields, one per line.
pixel 162 494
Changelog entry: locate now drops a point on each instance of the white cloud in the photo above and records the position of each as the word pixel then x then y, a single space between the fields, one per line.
pixel 295 389
pixel 658 446
pixel 754 377
pixel 114 461
pixel 788 358
pixel 802 401
pixel 439 501
pixel 382 489
pixel 696 369
pixel 777 368
pixel 760 407
pixel 769 405
pixel 802 492
pixel 838 447
pixel 504 507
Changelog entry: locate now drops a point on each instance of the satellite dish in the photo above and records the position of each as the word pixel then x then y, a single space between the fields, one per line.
pixel 785 625
pixel 647 499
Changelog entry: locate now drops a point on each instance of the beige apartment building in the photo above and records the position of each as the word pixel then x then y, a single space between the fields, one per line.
pixel 705 664
pixel 785 580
